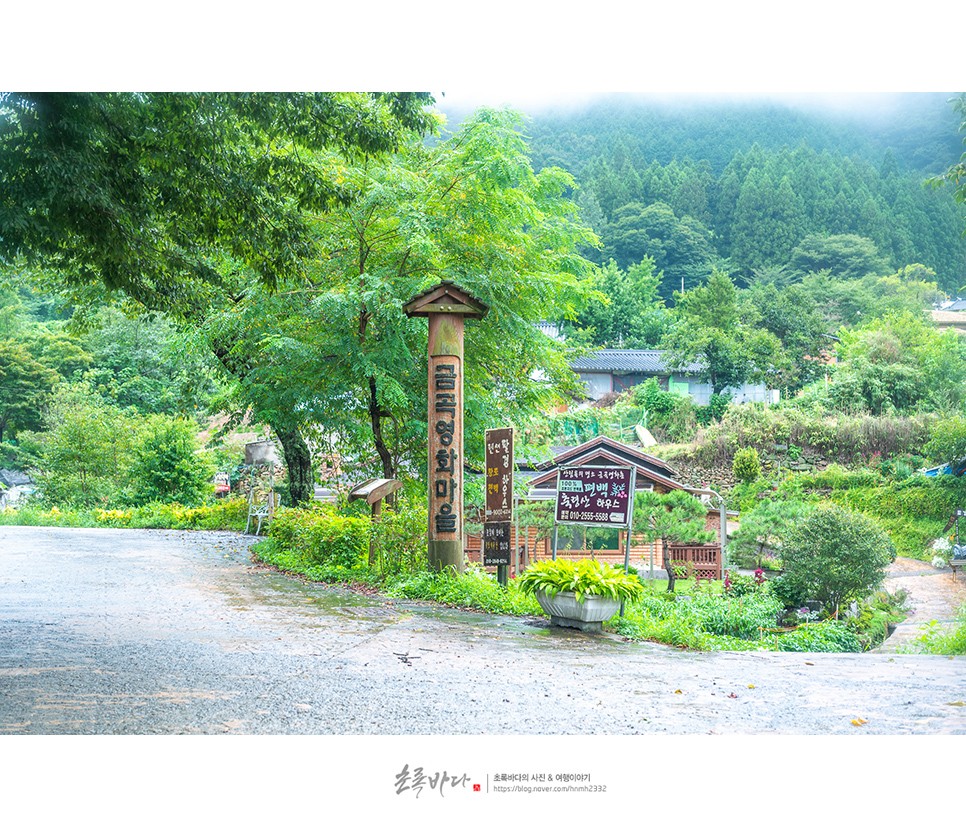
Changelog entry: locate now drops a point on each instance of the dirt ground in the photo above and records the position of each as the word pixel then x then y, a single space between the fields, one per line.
pixel 934 595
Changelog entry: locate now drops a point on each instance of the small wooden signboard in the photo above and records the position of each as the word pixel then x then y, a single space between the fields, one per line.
pixel 373 491
pixel 496 544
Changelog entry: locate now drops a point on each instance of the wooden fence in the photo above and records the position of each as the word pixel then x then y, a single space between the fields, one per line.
pixel 702 561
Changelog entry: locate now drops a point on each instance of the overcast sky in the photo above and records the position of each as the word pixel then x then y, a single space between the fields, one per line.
pixel 533 101
pixel 499 52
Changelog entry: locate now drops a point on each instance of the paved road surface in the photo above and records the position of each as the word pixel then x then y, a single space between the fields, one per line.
pixel 162 632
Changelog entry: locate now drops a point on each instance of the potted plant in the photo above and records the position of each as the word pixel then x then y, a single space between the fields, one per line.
pixel 579 594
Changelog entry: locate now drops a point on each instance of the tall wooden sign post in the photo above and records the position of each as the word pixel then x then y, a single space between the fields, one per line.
pixel 446 306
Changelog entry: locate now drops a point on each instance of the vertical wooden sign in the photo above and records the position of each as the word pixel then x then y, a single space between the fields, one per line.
pixel 446 306
pixel 499 475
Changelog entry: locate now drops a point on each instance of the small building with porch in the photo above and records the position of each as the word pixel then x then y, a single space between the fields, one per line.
pixel 539 486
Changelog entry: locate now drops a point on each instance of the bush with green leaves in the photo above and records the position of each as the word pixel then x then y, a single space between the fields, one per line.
pixel 938 640
pixel 735 616
pixel 321 536
pixel 947 440
pixel 746 466
pixel 826 636
pixel 399 535
pixel 166 465
pixel 474 588
pixel 667 415
pixel 225 514
pixel 839 437
pixel 833 556
pixel 649 622
pixel 586 577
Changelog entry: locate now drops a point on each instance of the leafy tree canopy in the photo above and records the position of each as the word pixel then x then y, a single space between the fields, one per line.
pixel 338 351
pixel 633 315
pixel 713 329
pixel 141 191
pixel 842 256
pixel 680 247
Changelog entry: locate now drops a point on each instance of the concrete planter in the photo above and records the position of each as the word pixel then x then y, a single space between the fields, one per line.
pixel 587 615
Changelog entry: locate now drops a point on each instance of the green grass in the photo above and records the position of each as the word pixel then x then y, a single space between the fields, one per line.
pixel 936 640
pixel 230 514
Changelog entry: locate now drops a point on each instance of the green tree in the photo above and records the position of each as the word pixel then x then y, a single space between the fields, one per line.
pixel 768 220
pixel 137 191
pixel 899 363
pixel 842 256
pixel 947 440
pixel 167 195
pixel 142 361
pixel 763 530
pixel 679 247
pixel 85 450
pixel 833 556
pixel 166 465
pixel 712 329
pixel 25 385
pixel 791 315
pixel 675 516
pixel 956 173
pixel 634 315
pixel 339 352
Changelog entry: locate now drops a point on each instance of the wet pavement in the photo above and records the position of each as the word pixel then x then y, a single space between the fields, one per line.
pixel 165 632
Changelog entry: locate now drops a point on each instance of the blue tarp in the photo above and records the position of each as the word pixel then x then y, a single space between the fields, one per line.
pixel 958 469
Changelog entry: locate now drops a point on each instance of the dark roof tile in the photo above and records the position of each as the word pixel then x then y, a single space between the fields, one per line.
pixel 625 361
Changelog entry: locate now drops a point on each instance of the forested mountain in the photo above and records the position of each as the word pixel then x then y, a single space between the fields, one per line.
pixel 919 128
pixel 740 185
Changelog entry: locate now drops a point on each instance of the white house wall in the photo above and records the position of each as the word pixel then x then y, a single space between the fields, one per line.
pixel 597 384
pixel 701 392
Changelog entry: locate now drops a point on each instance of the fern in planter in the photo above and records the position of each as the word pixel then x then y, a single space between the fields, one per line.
pixel 587 577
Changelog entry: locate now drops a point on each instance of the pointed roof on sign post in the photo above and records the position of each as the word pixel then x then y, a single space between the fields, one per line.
pixel 445 297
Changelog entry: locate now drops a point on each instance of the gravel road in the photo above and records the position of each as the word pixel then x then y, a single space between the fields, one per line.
pixel 162 632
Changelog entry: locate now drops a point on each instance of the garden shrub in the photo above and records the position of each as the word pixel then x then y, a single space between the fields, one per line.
pixel 225 514
pixel 166 466
pixel 746 466
pixel 475 588
pixel 648 621
pixel 322 535
pixel 669 416
pixel 714 410
pixel 742 616
pixel 826 636
pixel 833 556
pixel 399 535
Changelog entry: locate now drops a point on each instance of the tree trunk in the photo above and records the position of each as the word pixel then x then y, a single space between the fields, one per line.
pixel 376 413
pixel 298 460
pixel 667 566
